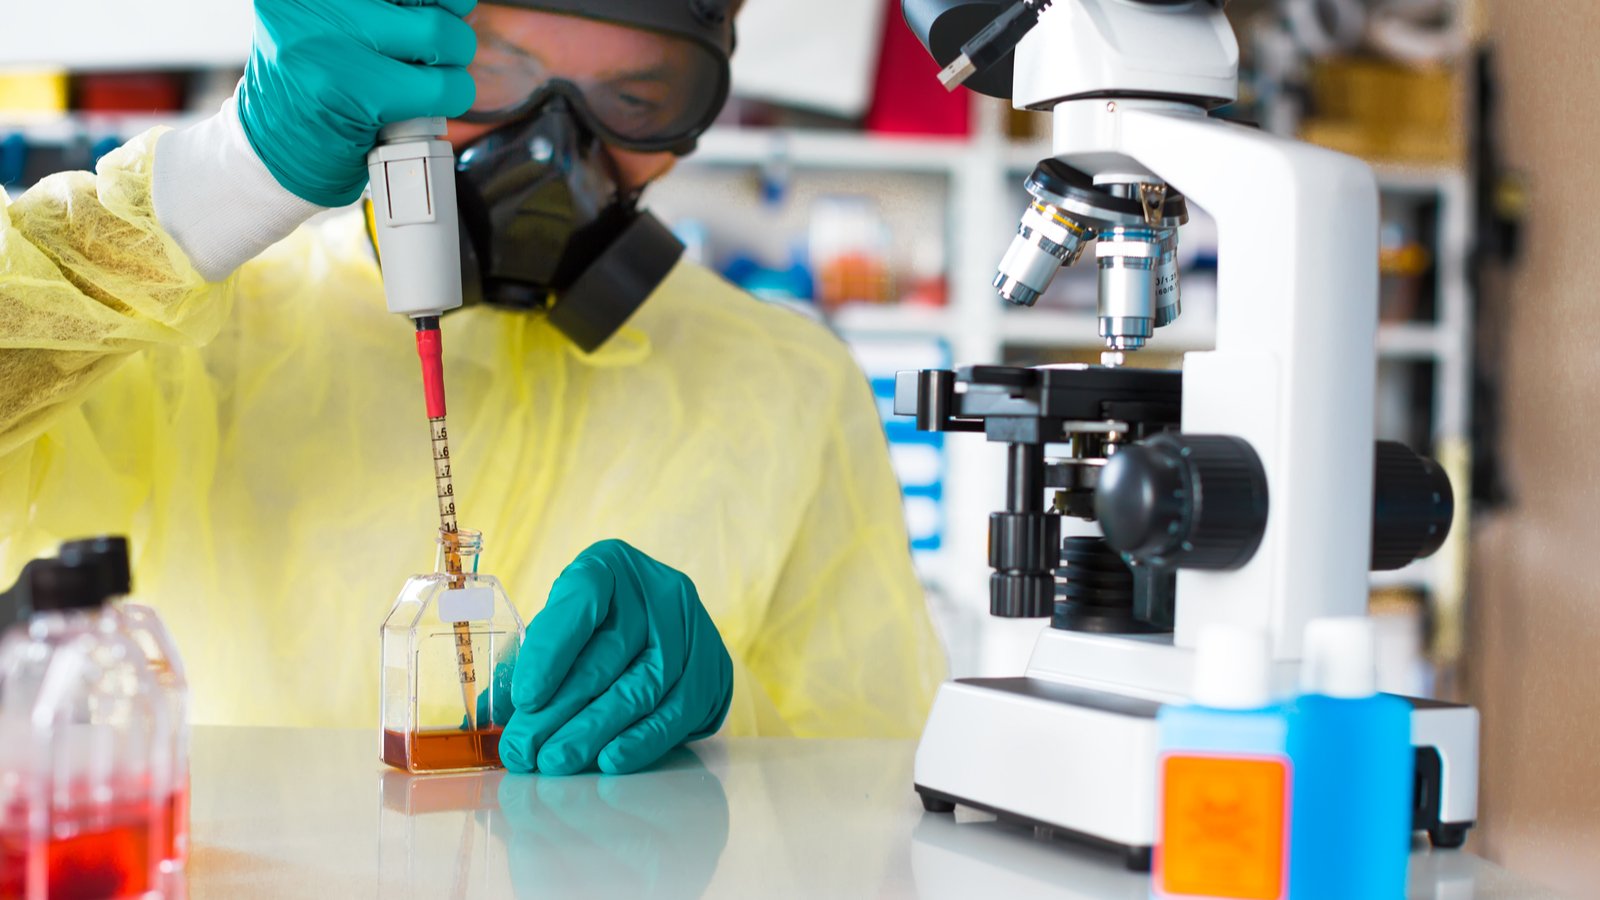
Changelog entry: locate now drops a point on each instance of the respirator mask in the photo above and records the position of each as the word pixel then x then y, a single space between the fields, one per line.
pixel 546 221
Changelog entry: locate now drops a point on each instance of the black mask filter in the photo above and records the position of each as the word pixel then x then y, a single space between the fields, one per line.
pixel 546 226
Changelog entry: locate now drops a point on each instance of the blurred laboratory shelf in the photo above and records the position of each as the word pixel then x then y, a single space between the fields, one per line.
pixel 829 149
pixel 1067 330
pixel 60 128
pixel 1081 330
pixel 890 319
pixel 1412 340
pixel 1413 178
pixel 1416 576
pixel 94 35
pixel 281 812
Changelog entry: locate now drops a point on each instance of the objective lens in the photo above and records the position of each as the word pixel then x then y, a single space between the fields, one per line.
pixel 1046 240
pixel 1168 306
pixel 1128 258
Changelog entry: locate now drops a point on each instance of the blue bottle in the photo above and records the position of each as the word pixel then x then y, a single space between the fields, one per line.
pixel 1351 830
pixel 1225 777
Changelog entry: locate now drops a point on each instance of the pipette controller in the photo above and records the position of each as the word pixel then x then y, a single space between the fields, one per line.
pixel 412 171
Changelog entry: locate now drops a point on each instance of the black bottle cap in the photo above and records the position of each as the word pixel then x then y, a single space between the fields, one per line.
pixel 52 585
pixel 106 557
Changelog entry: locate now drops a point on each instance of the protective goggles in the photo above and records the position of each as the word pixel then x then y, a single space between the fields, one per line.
pixel 660 101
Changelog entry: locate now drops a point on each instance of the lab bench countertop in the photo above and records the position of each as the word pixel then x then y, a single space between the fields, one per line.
pixel 280 812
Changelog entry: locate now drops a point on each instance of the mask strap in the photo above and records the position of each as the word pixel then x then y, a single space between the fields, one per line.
pixel 617 283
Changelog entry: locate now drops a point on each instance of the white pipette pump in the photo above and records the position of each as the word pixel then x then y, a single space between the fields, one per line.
pixel 414 206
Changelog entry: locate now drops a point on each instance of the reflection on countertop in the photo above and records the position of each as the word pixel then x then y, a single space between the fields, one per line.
pixel 291 812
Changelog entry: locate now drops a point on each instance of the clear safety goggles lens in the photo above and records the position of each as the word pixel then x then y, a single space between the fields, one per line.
pixel 667 96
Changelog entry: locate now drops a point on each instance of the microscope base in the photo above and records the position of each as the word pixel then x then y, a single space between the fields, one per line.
pixel 1083 762
pixel 1079 761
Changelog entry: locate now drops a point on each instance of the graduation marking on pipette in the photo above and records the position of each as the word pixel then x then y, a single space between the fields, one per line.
pixel 430 349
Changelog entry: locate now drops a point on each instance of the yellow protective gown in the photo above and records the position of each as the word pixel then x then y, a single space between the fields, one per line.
pixel 263 443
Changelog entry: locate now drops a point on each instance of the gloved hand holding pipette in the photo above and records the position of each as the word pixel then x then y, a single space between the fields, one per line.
pixel 622 665
pixel 326 75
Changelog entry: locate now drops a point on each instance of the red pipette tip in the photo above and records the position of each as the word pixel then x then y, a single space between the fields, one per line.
pixel 431 350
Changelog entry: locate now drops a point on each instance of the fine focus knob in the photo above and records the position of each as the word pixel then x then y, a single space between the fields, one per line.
pixel 1023 551
pixel 1184 500
pixel 1412 505
pixel 1022 595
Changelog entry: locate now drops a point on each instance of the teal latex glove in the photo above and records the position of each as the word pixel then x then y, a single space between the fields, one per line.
pixel 499 694
pixel 622 665
pixel 325 75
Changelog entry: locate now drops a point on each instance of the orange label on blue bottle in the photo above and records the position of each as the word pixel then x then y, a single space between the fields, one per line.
pixel 1224 827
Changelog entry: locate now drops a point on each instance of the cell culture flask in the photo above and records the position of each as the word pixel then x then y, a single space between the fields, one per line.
pixel 449 645
pixel 85 748
pixel 108 557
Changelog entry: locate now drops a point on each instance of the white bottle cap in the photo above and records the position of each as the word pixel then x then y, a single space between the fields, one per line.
pixel 1232 668
pixel 1340 658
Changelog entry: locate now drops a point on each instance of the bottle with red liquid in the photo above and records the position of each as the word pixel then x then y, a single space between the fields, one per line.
pixel 108 557
pixel 85 746
pixel 449 645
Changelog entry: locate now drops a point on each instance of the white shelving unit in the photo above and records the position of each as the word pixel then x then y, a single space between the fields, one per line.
pixel 983 175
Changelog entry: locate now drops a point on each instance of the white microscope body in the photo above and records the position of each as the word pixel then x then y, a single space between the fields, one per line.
pixel 1071 745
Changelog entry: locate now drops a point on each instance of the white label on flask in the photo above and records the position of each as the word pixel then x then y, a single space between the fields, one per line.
pixel 467 604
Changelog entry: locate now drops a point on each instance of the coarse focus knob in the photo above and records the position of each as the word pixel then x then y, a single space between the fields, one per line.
pixel 1024 542
pixel 1184 500
pixel 1412 505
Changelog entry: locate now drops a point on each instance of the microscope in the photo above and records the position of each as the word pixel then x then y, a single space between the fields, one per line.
pixel 1245 489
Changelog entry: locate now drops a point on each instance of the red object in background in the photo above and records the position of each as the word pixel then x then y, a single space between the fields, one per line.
pixel 907 97
pixel 141 92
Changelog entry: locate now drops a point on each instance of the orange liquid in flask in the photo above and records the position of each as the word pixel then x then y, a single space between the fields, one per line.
pixel 435 750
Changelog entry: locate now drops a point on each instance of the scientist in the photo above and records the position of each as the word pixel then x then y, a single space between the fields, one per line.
pixel 697 482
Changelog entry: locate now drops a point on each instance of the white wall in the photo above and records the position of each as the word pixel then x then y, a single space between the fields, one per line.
pixel 122 34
